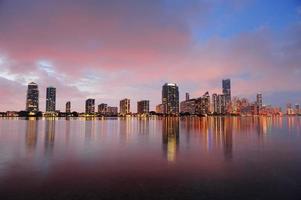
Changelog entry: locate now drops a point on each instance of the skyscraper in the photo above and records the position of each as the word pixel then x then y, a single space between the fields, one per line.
pixel 170 98
pixel 125 107
pixel 90 106
pixel 68 107
pixel 143 107
pixel 221 104
pixel 32 98
pixel 50 99
pixel 227 91
pixel 187 96
pixel 214 103
pixel 259 100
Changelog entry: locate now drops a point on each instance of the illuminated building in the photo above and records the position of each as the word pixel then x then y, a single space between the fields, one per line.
pixel 221 104
pixel 258 103
pixel 143 107
pixel 203 104
pixel 125 107
pixel 188 106
pixel 90 106
pixel 32 98
pixel 170 98
pixel 214 103
pixel 227 91
pixel 68 107
pixel 50 99
pixel 103 108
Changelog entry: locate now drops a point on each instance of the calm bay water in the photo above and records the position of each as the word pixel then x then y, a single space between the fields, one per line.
pixel 162 158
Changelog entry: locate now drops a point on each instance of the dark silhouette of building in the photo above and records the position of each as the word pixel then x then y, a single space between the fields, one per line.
pixel 68 107
pixel 143 107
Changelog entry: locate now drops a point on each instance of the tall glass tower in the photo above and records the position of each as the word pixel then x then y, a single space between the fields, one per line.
pixel 227 90
pixel 32 98
pixel 170 98
pixel 50 99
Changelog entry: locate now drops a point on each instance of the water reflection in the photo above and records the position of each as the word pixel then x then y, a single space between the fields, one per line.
pixel 31 134
pixel 170 137
pixel 89 129
pixel 49 135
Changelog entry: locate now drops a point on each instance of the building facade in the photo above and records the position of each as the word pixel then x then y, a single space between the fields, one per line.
pixel 50 99
pixel 227 91
pixel 112 111
pixel 90 106
pixel 32 97
pixel 103 108
pixel 143 107
pixel 68 107
pixel 214 103
pixel 170 99
pixel 125 107
pixel 188 107
pixel 221 104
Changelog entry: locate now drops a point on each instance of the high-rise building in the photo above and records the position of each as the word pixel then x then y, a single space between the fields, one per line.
pixel 170 98
pixel 214 103
pixel 227 91
pixel 90 106
pixel 68 107
pixel 187 96
pixel 32 98
pixel 188 106
pixel 125 107
pixel 143 107
pixel 50 99
pixel 102 108
pixel 221 104
pixel 259 99
pixel 203 104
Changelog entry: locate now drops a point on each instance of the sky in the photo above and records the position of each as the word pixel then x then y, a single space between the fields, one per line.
pixel 115 49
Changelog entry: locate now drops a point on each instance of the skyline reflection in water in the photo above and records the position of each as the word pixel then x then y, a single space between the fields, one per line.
pixel 219 157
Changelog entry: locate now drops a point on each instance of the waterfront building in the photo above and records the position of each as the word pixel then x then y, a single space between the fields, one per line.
pixel 32 98
pixel 170 99
pixel 125 107
pixel 102 109
pixel 143 107
pixel 68 107
pixel 50 99
pixel 226 84
pixel 203 104
pixel 90 106
pixel 112 111
pixel 188 106
pixel 214 103
pixel 221 104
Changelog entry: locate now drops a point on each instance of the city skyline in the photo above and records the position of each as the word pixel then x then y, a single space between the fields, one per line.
pixel 171 104
pixel 109 50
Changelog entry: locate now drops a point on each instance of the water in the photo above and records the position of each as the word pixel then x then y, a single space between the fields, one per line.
pixel 162 158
